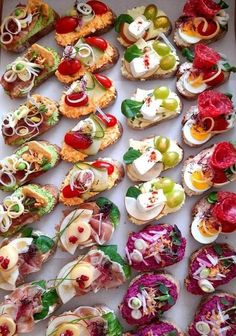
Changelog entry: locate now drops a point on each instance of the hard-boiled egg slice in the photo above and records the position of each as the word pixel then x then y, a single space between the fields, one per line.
pixel 196 88
pixel 194 135
pixel 188 36
pixel 199 234
pixel 195 179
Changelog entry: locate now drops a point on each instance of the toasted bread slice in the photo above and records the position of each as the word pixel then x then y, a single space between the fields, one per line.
pixel 156 328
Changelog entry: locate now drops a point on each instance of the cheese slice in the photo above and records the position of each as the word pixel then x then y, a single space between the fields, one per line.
pixel 147 160
pixel 151 200
pixel 138 27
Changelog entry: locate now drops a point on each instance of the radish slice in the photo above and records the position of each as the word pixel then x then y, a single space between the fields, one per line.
pixel 10 76
pixel 8 40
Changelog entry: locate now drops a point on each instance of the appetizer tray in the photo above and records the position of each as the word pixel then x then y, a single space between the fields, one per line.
pixel 183 312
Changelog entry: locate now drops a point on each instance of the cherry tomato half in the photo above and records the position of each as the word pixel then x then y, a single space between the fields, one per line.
pixel 66 24
pixel 103 80
pixel 73 99
pixel 109 120
pixel 77 140
pixel 97 42
pixel 69 67
pixel 69 193
pixel 103 164
pixel 216 81
pixel 98 7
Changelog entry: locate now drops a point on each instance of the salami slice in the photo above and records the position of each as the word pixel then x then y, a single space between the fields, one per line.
pixel 190 8
pixel 207 8
pixel 213 104
pixel 205 57
pixel 224 156
pixel 225 211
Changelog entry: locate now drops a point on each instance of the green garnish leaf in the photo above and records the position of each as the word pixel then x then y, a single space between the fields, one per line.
pixel 223 4
pixel 163 298
pixel 53 119
pixel 114 326
pixel 122 19
pixel 49 298
pixel 132 52
pixel 114 212
pixel 40 283
pixel 224 301
pixel 111 252
pixel 171 333
pixel 212 197
pixel 131 155
pixel 42 108
pixel 26 232
pixel 229 95
pixel 218 249
pixel 163 289
pixel 44 243
pixel 176 236
pixel 133 192
pixel 229 68
pixel 189 54
pixel 130 108
pixel 170 300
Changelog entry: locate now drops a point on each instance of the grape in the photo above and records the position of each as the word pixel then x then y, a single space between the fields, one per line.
pixel 161 22
pixel 162 144
pixel 167 62
pixel 170 104
pixel 170 159
pixel 167 184
pixel 175 198
pixel 161 48
pixel 162 92
pixel 151 12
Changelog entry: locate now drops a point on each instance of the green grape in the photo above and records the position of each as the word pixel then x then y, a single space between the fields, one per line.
pixel 161 22
pixel 170 104
pixel 167 62
pixel 167 184
pixel 162 144
pixel 170 159
pixel 161 48
pixel 151 12
pixel 162 92
pixel 175 198
pixel 157 185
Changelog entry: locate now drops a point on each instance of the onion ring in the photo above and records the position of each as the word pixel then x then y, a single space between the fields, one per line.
pixel 6 41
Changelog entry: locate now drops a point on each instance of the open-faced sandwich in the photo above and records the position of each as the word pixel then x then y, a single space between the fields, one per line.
pixel 29 71
pixel 154 199
pixel 101 267
pixel 206 69
pixel 212 167
pixel 214 114
pixel 151 59
pixel 215 316
pixel 84 96
pixel 148 297
pixel 35 117
pixel 91 135
pixel 160 328
pixel 210 266
pixel 25 206
pixel 146 159
pixel 28 162
pixel 203 21
pixel 155 247
pixel 23 254
pixel 26 25
pixel 147 108
pixel 88 179
pixel 146 22
pixel 93 54
pixel 26 305
pixel 85 321
pixel 85 18
pixel 90 224
pixel 212 215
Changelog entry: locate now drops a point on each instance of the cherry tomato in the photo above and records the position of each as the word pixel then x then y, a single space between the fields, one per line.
pixel 69 193
pixel 103 80
pixel 69 67
pixel 98 7
pixel 77 140
pixel 76 96
pixel 102 164
pixel 66 24
pixel 211 28
pixel 109 120
pixel 216 81
pixel 97 42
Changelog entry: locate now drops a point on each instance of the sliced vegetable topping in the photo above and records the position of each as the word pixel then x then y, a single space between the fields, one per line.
pixel 69 67
pixel 103 164
pixel 103 80
pixel 66 24
pixel 97 42
pixel 76 99
pixel 98 7
pixel 77 140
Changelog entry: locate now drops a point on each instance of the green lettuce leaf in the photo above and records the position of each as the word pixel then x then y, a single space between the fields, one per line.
pixel 131 155
pixel 122 19
pixel 130 108
pixel 114 326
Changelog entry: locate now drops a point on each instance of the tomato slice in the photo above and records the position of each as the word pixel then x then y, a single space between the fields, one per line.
pixel 216 81
pixel 103 80
pixel 103 164
pixel 97 42
pixel 77 140
pixel 74 99
pixel 109 120
pixel 69 193
pixel 98 7
pixel 69 67
pixel 66 24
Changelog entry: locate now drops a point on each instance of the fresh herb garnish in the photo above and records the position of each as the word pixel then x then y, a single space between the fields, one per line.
pixel 26 232
pixel 114 213
pixel 227 67
pixel 176 236
pixel 49 298
pixel 223 4
pixel 44 243
pixel 53 119
pixel 132 52
pixel 42 108
pixel 131 155
pixel 130 108
pixel 229 95
pixel 171 333
pixel 114 327
pixel 40 283
pixel 123 18
pixel 218 249
pixel 224 301
pixel 189 54
pixel 212 197
pixel 166 295
pixel 133 192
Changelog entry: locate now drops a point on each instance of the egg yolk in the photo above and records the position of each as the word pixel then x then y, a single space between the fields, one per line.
pixel 199 181
pixel 209 228
pixel 195 80
pixel 188 28
pixel 198 132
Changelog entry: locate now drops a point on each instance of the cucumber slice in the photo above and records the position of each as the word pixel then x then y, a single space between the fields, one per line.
pixel 100 128
pixel 90 82
pixel 83 165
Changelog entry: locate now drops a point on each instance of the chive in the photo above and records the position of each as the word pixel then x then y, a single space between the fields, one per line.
pixel 212 197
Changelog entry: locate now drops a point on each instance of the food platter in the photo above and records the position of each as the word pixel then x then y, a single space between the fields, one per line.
pixel 183 311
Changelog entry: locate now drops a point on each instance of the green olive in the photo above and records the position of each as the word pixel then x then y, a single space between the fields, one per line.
pixel 162 144
pixel 175 198
pixel 161 48
pixel 170 159
pixel 161 22
pixel 167 184
pixel 151 12
pixel 167 62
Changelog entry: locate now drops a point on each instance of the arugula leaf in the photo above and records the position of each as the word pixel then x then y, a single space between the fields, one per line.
pixel 133 192
pixel 122 19
pixel 111 252
pixel 218 250
pixel 114 326
pixel 132 52
pixel 187 53
pixel 131 155
pixel 44 243
pixel 26 232
pixel 223 4
pixel 49 298
pixel 114 212
pixel 130 108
